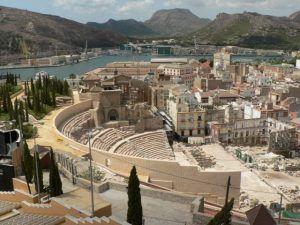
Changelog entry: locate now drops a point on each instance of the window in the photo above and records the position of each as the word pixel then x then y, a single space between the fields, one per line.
pixel 199 118
pixel 191 132
pixel 199 131
pixel 182 132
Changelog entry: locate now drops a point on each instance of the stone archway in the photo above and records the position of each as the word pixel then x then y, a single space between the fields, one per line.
pixel 113 115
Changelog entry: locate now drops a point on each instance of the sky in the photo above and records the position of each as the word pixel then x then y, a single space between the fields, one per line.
pixel 102 10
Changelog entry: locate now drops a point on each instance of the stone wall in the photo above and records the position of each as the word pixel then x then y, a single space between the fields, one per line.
pixel 159 194
pixel 71 111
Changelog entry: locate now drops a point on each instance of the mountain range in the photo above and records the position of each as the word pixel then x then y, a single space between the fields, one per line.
pixel 251 30
pixel 43 32
pixel 246 29
pixel 163 23
pixel 129 28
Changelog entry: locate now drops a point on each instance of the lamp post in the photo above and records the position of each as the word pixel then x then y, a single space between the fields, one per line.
pixel 90 130
pixel 91 172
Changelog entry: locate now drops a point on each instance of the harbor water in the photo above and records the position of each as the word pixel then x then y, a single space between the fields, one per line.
pixel 85 66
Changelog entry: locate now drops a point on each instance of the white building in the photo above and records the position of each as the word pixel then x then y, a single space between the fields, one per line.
pixel 41 74
pixel 298 64
pixel 187 115
pixel 177 69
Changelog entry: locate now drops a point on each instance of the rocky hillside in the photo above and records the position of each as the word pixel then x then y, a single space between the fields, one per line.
pixel 129 28
pixel 175 22
pixel 163 23
pixel 45 32
pixel 295 17
pixel 251 30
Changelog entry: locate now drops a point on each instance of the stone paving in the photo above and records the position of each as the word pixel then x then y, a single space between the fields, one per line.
pixel 156 211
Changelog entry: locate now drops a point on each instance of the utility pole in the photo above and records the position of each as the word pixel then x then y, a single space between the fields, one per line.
pixel 21 136
pixel 91 173
pixel 227 190
pixel 279 214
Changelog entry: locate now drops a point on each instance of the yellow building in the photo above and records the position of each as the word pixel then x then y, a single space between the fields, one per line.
pixel 189 118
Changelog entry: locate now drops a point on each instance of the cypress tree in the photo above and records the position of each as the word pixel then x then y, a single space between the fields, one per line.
pixel 15 80
pixel 135 211
pixel 26 88
pixel 28 163
pixel 55 185
pixel 53 99
pixel 26 112
pixel 16 109
pixel 40 172
pixel 32 85
pixel 21 112
pixel 66 88
pixel 10 108
pixel 4 100
pixel 224 216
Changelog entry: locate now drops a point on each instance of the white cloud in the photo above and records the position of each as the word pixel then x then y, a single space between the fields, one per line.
pixel 242 4
pixel 101 10
pixel 85 4
pixel 135 5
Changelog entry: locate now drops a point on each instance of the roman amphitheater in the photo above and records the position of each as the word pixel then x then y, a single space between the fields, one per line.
pixel 123 135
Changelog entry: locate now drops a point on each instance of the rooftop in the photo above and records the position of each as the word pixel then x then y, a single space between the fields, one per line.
pixel 169 60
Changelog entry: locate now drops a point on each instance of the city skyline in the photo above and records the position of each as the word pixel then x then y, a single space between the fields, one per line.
pixel 102 10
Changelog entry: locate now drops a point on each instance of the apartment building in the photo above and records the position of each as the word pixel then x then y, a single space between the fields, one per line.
pixel 160 95
pixel 187 115
pixel 222 60
pixel 279 136
pixel 266 110
pixel 176 69
pixel 224 96
pixel 278 72
pixel 238 72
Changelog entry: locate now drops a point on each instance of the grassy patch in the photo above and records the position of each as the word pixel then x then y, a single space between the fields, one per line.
pixel 41 115
pixel 4 116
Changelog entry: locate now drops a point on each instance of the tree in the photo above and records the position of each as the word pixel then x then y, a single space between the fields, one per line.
pixel 135 211
pixel 55 185
pixel 53 99
pixel 28 163
pixel 202 60
pixel 26 112
pixel 10 108
pixel 39 170
pixel 224 216
pixel 65 88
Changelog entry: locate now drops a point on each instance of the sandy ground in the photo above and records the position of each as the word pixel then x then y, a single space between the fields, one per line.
pixel 47 135
pixel 251 183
